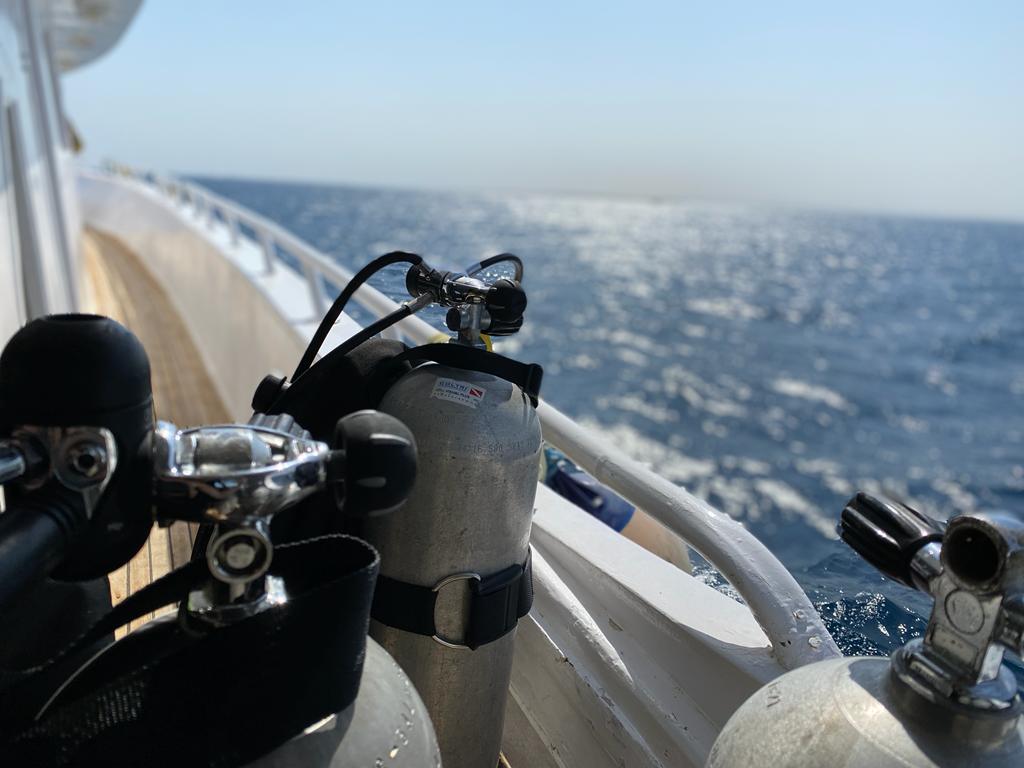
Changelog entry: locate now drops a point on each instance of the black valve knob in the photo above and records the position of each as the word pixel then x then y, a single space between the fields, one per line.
pixel 887 534
pixel 505 328
pixel 453 320
pixel 506 301
pixel 373 464
pixel 422 279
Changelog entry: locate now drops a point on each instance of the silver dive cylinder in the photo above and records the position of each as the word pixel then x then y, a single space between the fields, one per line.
pixel 946 699
pixel 468 516
pixel 387 725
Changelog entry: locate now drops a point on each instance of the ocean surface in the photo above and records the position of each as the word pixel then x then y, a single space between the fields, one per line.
pixel 771 361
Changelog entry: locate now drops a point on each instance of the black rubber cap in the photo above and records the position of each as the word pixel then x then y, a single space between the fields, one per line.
pixel 69 369
pixel 453 320
pixel 507 300
pixel 87 370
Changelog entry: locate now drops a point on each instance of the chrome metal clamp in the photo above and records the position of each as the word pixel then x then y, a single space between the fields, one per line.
pixel 82 459
pixel 237 477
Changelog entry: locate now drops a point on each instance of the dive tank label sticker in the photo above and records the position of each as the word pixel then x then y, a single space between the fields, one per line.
pixel 458 392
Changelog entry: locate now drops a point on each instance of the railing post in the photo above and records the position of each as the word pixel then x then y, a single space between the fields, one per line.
pixel 232 222
pixel 269 254
pixel 317 295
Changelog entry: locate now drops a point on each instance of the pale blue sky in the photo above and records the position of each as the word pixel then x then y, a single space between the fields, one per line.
pixel 898 106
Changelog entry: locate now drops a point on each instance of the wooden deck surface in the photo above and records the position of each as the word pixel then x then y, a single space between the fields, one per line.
pixel 119 286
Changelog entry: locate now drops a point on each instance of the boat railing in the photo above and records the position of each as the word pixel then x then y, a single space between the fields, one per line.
pixel 778 603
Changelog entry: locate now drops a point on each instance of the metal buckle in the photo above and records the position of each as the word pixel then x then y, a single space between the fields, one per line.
pixel 468 576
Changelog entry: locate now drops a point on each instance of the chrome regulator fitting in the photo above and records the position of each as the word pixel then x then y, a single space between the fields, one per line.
pixel 237 477
pixel 476 305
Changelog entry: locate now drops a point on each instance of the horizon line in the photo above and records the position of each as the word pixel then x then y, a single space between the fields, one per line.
pixel 677 198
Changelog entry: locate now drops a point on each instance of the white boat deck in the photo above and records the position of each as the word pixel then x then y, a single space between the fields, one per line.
pixel 625 660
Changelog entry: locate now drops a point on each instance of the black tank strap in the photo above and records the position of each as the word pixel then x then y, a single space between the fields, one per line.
pixel 497 602
pixel 527 376
pixel 226 697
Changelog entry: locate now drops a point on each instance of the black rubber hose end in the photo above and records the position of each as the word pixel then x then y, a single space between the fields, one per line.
pixel 887 534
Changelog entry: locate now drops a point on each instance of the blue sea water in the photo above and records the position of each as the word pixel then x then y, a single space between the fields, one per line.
pixel 771 361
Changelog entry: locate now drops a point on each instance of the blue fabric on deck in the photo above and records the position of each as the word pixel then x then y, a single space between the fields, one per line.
pixel 572 483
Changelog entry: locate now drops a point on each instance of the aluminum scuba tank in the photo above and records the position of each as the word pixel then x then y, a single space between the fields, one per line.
pixel 455 574
pixel 850 712
pixel 944 700
pixel 457 552
pixel 386 724
pixel 468 516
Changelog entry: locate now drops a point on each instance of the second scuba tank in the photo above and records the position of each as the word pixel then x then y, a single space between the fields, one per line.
pixel 455 573
pixel 467 519
pixel 455 561
pixel 944 700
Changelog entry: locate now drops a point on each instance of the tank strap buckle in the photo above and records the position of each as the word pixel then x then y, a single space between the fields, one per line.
pixel 437 588
pixel 496 604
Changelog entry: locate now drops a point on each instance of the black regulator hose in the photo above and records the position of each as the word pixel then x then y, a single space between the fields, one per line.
pixel 501 258
pixel 309 356
pixel 370 331
pixel 35 536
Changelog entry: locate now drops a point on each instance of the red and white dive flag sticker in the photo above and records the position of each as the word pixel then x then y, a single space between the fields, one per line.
pixel 459 392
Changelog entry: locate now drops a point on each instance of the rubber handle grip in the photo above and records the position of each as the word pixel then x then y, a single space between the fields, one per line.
pixel 887 534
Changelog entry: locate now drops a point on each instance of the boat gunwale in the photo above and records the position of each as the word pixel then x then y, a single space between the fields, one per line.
pixel 779 605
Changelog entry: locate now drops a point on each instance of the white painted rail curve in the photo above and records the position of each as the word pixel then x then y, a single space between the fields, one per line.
pixel 779 605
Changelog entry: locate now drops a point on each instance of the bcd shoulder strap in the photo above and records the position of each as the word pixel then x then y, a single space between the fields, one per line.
pixel 527 376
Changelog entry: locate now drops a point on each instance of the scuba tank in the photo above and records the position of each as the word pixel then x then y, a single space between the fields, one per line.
pixel 267 659
pixel 943 700
pixel 455 565
pixel 461 547
pixel 386 721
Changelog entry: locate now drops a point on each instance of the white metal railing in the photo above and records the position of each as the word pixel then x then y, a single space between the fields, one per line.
pixel 779 605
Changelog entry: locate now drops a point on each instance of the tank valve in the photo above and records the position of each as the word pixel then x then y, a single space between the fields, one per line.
pixel 940 701
pixel 974 570
pixel 476 305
